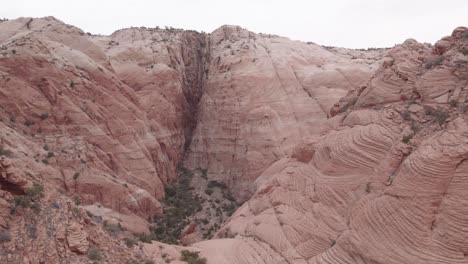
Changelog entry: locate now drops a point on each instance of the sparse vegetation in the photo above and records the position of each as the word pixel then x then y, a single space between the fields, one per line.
pixel 406 115
pixel 5 152
pixel 76 175
pixel 44 116
pixel 94 254
pixel 113 229
pixel 368 187
pixel 434 62
pixel 28 122
pixel 453 103
pixel 192 257
pixel 406 138
pixel 32 231
pixel 130 242
pixel 464 51
pixel 204 173
pixel 5 236
pixel 214 183
pixel 187 201
pixel 143 238
pixel 76 200
pixel 180 204
pixel 438 115
pixel 30 199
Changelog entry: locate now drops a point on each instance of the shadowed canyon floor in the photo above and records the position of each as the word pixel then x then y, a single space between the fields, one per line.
pixel 269 150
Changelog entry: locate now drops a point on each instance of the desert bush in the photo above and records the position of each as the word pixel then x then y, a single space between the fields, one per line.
pixel 192 257
pixel 5 236
pixel 55 205
pixel 406 138
pixel 5 152
pixel 405 115
pixel 214 183
pixel 94 254
pixel 28 122
pixel 113 229
pixel 76 200
pixel 44 116
pixel 434 62
pixel 438 115
pixel 180 204
pixel 143 238
pixel 130 242
pixel 204 173
pixel 453 103
pixel 76 175
pixel 32 231
pixel 464 51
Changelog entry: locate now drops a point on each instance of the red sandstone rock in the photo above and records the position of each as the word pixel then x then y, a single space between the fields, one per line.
pixel 108 118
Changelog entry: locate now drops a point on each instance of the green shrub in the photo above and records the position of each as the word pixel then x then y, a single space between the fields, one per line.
pixel 5 152
pixel 28 122
pixel 434 62
pixel 169 191
pixel 44 116
pixel 143 238
pixel 5 236
pixel 94 254
pixel 179 206
pixel 204 173
pixel 214 183
pixel 405 115
pixel 130 242
pixel 32 231
pixel 76 200
pixel 439 115
pixel 113 229
pixel 464 51
pixel 453 103
pixel 192 257
pixel 406 138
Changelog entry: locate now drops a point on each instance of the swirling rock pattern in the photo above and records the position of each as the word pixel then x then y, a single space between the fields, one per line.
pixel 263 95
pixel 342 156
pixel 386 179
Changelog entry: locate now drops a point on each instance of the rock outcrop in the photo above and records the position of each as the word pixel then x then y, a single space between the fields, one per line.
pixel 263 95
pixel 384 181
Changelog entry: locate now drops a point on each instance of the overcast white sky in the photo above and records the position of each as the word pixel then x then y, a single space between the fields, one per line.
pixel 346 23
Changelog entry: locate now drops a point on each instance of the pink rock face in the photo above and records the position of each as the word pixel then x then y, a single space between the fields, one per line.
pixel 341 156
pixel 386 179
pixel 263 95
pixel 103 118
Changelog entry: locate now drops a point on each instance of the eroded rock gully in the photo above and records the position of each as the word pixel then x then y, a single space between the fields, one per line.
pixel 338 156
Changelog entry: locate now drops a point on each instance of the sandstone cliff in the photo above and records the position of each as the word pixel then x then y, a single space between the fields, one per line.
pixel 342 156
pixel 383 183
